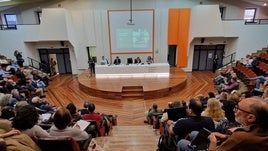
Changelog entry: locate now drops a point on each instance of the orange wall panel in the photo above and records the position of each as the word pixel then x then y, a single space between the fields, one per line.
pixel 173 17
pixel 183 37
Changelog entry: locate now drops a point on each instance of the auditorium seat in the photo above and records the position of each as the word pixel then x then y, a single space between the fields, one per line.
pixel 129 61
pixel 57 143
pixel 176 113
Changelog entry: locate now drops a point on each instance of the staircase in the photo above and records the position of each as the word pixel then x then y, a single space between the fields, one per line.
pixel 133 92
pixel 130 138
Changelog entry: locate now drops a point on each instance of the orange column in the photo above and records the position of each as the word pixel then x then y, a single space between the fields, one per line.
pixel 178 33
pixel 173 17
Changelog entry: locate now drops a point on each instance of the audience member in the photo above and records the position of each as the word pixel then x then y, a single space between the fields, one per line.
pixel 92 115
pixel 171 105
pixel 62 119
pixel 19 58
pixel 85 109
pixel 26 121
pixel 75 115
pixel 253 114
pixel 194 121
pixel 152 111
pixel 214 110
pixel 223 125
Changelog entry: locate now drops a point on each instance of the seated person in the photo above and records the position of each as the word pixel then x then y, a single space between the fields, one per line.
pixel 104 61
pixel 14 140
pixel 149 60
pixel 171 105
pixel 137 60
pixel 92 115
pixel 153 110
pixel 250 112
pixel 75 115
pixel 26 121
pixel 194 121
pixel 117 61
pixel 62 119
pixel 85 109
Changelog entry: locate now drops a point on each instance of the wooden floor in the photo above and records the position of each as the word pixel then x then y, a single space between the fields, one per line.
pixel 131 134
pixel 64 89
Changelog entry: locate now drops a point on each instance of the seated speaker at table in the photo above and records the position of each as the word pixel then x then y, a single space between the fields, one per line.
pixel 117 61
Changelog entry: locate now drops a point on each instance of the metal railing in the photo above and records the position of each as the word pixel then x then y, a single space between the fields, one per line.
pixel 256 21
pixel 228 59
pixel 39 65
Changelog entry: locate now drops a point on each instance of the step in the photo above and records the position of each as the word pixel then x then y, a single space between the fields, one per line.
pixel 137 88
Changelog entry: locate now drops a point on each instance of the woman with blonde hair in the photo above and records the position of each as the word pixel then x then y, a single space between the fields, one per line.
pixel 214 110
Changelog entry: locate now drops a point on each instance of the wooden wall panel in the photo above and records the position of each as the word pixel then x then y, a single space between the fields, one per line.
pixel 173 17
pixel 178 33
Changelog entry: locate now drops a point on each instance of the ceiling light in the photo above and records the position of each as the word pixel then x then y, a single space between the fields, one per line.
pixel 265 4
pixel 4 1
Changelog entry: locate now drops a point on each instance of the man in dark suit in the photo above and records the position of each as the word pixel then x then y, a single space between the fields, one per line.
pixel 117 61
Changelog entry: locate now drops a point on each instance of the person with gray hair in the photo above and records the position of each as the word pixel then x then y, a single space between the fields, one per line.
pixel 253 114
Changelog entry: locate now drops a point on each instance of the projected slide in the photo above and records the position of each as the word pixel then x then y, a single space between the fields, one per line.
pixel 136 36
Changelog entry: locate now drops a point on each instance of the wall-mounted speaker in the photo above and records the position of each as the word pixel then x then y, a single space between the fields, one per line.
pixel 202 40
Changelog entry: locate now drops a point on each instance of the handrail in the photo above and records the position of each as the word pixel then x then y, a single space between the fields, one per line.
pixel 256 21
pixel 39 65
pixel 228 59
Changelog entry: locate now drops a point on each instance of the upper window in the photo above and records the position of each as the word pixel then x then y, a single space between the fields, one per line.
pixel 249 15
pixel 11 20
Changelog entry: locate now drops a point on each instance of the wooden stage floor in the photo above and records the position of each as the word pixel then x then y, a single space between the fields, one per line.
pixel 133 87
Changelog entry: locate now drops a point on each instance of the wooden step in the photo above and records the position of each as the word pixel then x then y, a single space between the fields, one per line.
pixel 132 92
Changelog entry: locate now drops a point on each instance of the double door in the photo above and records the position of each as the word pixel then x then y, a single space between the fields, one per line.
pixel 204 54
pixel 61 56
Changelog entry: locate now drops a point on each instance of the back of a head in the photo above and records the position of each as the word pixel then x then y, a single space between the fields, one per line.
pixel 228 107
pixel 211 94
pixel 91 107
pixel 195 106
pixel 62 118
pixel 260 109
pixel 71 107
pixel 26 117
pixel 86 104
pixel 213 103
pixel 155 106
pixel 7 112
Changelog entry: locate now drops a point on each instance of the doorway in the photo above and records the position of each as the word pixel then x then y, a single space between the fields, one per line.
pixel 203 56
pixel 61 56
pixel 172 52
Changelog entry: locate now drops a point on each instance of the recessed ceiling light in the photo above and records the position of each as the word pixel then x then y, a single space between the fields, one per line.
pixel 265 4
pixel 5 0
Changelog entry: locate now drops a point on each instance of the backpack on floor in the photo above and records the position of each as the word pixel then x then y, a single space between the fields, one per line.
pixel 167 143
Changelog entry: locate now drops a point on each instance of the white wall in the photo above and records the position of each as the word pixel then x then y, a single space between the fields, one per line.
pixel 85 24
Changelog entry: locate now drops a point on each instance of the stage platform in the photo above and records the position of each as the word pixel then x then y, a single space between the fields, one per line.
pixel 133 87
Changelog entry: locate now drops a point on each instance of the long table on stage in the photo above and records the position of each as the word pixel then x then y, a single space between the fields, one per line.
pixel 155 69
pixel 144 83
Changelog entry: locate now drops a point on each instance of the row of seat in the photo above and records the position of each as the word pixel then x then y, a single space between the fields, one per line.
pixel 245 74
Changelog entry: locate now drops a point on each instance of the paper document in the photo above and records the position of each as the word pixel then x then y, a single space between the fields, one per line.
pixel 82 124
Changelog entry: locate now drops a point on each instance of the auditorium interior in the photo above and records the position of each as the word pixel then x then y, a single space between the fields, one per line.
pixel 181 36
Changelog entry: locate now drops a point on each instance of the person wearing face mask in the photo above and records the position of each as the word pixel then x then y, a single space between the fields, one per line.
pixel 252 113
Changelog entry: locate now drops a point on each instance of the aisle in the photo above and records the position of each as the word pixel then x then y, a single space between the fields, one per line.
pixel 130 138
